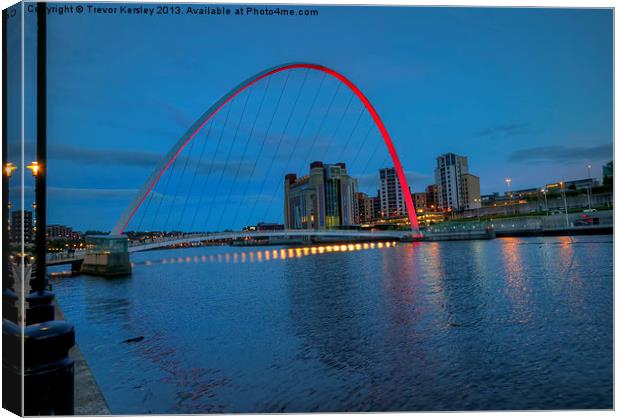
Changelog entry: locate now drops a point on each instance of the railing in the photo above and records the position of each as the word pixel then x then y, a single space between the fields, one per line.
pixel 198 237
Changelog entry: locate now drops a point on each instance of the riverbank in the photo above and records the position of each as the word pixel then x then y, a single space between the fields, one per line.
pixel 595 223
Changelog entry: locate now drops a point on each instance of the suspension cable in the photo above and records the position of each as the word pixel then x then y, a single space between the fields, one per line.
pixel 329 107
pixel 294 107
pixel 191 187
pixel 176 192
pixel 265 138
pixel 163 196
pixel 346 144
pixel 232 145
pixel 227 160
pixel 298 137
pixel 210 168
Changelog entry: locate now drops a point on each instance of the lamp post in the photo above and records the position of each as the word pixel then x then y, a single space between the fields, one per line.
pixel 565 205
pixel 39 219
pixel 40 299
pixel 589 186
pixel 508 181
pixel 544 192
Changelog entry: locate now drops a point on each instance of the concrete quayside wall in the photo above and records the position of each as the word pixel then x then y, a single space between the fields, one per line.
pixel 559 224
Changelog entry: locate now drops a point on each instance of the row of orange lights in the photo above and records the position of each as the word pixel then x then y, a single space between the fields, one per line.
pixel 269 255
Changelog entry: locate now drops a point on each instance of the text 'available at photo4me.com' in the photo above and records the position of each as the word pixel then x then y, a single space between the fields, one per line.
pixel 136 9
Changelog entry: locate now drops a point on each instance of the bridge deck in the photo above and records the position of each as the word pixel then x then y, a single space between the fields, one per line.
pixel 57 259
pixel 220 236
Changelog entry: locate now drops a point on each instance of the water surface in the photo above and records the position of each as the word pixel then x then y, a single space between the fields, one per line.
pixel 514 323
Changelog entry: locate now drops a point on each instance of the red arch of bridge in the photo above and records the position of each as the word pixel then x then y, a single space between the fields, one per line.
pixel 169 159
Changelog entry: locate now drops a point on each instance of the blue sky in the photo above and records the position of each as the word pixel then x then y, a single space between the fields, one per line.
pixel 525 93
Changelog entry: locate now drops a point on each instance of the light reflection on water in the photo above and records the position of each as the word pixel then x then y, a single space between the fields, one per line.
pixel 267 255
pixel 520 323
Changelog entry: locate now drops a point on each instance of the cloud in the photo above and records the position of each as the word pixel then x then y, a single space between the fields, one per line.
pixel 148 159
pixel 510 129
pixel 93 193
pixel 164 112
pixel 90 193
pixel 132 158
pixel 561 154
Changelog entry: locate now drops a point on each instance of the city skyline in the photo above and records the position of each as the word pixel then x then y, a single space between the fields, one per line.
pixel 385 203
pixel 518 104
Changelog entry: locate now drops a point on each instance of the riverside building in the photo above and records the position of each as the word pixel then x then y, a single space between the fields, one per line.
pixel 390 194
pixel 457 188
pixel 323 199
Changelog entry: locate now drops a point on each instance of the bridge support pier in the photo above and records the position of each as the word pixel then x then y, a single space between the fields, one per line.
pixel 76 267
pixel 107 256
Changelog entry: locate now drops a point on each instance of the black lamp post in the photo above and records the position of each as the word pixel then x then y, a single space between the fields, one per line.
pixel 40 299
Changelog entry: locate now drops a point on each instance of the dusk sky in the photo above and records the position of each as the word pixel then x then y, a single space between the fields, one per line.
pixel 524 93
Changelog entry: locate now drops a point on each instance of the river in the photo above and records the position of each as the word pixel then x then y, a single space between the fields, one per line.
pixel 511 323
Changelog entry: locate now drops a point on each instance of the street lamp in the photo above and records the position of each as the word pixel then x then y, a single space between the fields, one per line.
pixel 35 168
pixel 544 192
pixel 508 181
pixel 9 168
pixel 565 205
pixel 589 186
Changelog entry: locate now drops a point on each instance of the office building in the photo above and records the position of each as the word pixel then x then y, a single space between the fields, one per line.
pixel 457 188
pixel 390 194
pixel 489 199
pixel 523 193
pixel 364 208
pixel 582 184
pixel 61 232
pixel 376 206
pixel 17 226
pixel 608 171
pixel 432 201
pixel 471 189
pixel 323 199
pixel 419 201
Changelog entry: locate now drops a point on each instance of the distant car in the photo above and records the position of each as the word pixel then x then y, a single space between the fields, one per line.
pixel 589 211
pixel 586 220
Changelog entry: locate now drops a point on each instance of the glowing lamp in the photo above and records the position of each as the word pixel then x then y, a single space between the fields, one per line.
pixel 9 168
pixel 34 167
